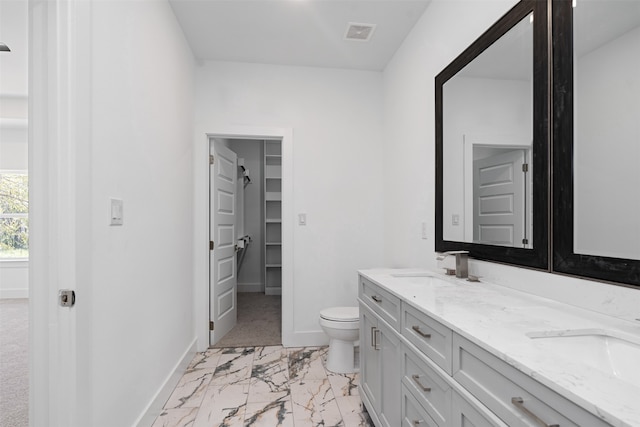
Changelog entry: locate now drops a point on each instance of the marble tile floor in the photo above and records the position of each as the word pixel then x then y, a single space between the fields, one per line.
pixel 264 386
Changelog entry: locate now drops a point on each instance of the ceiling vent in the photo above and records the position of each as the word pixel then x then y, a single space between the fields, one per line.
pixel 359 32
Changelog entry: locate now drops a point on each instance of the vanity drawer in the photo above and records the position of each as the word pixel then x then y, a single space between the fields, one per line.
pixel 413 415
pixel 513 396
pixel 464 413
pixel 428 335
pixel 385 304
pixel 427 386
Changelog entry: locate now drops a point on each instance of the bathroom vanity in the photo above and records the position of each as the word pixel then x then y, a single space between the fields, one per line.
pixel 441 351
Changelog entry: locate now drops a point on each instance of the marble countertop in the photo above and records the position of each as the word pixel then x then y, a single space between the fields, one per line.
pixel 502 320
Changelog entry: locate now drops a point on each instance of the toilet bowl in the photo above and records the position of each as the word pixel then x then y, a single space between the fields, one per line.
pixel 342 325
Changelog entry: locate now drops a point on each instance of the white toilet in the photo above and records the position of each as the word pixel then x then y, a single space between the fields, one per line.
pixel 342 324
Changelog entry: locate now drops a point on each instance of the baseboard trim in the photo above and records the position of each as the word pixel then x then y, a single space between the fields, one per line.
pixel 305 339
pixel 251 287
pixel 154 408
pixel 273 291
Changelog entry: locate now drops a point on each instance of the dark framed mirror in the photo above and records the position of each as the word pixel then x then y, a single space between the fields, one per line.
pixel 596 139
pixel 492 143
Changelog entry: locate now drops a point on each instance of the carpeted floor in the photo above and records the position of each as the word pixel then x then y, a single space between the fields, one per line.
pixel 259 321
pixel 14 362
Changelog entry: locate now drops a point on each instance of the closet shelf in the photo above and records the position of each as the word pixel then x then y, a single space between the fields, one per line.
pixel 273 243
pixel 273 265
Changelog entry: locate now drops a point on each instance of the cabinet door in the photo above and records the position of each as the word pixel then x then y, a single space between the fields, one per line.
pixel 389 351
pixel 370 379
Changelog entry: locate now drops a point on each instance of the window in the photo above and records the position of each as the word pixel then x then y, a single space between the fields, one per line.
pixel 14 215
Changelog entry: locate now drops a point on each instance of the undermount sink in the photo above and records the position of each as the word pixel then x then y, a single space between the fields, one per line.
pixel 609 352
pixel 422 278
pixel 413 274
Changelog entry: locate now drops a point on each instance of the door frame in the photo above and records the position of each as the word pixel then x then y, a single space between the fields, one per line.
pixel 201 222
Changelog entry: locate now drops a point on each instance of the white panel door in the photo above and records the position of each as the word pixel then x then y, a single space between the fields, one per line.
pixel 222 258
pixel 499 199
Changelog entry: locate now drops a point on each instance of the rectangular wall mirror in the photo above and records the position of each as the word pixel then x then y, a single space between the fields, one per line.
pixel 596 139
pixel 492 143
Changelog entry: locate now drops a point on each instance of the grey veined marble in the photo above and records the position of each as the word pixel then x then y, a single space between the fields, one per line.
pixel 264 387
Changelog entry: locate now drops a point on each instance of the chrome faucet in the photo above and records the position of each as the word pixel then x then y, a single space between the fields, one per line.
pixel 462 263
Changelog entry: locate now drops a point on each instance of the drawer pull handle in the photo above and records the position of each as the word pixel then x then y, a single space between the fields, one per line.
pixel 417 422
pixel 377 299
pixel 422 334
pixel 416 379
pixel 519 403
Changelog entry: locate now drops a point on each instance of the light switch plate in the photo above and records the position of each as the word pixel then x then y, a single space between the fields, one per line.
pixel 302 219
pixel 116 212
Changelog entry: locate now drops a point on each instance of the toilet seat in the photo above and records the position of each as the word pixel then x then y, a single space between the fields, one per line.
pixel 341 314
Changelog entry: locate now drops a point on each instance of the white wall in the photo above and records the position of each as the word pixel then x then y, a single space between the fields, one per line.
pixel 251 274
pixel 13 131
pixel 336 118
pixel 140 294
pixel 410 155
pixel 14 279
pixel 607 149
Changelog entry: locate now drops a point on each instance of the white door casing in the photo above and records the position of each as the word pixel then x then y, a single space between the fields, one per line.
pixel 499 199
pixel 222 266
pixel 204 132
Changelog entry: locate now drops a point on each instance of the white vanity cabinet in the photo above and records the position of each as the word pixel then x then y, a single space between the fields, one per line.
pixel 416 371
pixel 516 398
pixel 379 359
pixel 465 414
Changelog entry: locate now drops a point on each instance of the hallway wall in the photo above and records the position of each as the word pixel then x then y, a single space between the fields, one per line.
pixel 14 275
pixel 140 322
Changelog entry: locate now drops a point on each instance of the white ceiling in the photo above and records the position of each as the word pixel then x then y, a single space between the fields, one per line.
pixel 296 32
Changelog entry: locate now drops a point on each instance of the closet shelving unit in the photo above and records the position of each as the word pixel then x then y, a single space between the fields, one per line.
pixel 273 217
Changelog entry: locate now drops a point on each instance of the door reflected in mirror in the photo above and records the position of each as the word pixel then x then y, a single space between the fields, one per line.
pixel 487 134
pixel 607 128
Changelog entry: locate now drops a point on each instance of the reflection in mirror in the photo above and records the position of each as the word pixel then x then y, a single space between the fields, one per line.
pixel 607 128
pixel 487 134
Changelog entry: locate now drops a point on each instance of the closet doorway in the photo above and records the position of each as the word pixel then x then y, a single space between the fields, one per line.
pixel 256 279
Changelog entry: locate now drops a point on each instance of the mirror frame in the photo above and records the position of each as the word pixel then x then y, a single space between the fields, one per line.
pixel 537 257
pixel 565 260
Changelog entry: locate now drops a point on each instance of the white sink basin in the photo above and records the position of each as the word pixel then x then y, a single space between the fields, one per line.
pixel 422 279
pixel 413 274
pixel 609 352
